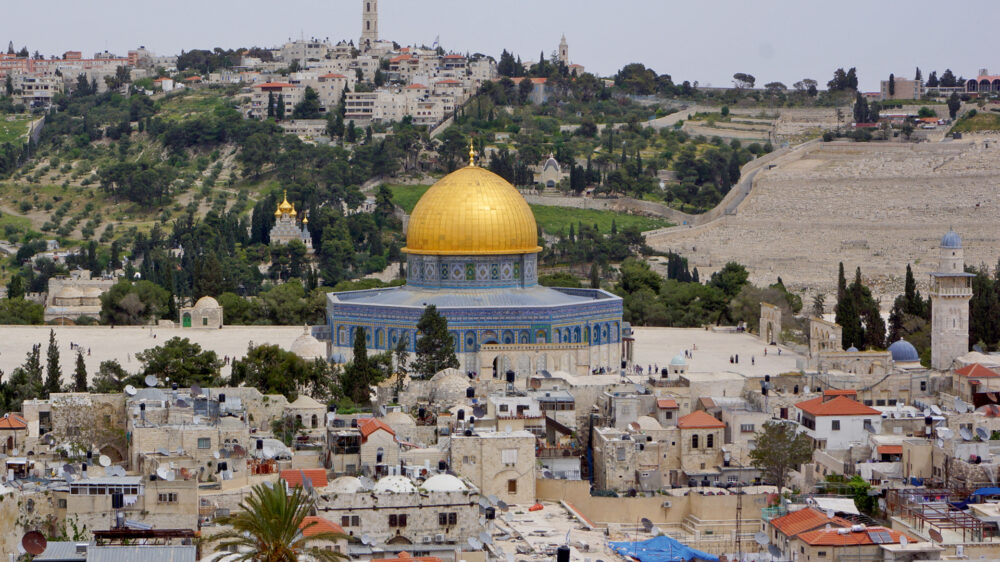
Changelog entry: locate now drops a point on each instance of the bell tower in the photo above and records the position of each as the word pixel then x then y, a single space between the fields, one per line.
pixel 369 24
pixel 564 51
pixel 951 291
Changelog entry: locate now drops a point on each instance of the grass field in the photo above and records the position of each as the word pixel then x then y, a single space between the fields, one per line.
pixel 188 104
pixel 981 121
pixel 13 127
pixel 552 219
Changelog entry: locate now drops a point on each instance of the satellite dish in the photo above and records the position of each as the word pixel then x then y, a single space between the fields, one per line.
pixel 502 505
pixel 475 544
pixel 482 521
pixel 195 389
pixel 940 443
pixel 115 471
pixel 965 433
pixel 171 476
pixel 104 461
pixel 130 390
pixel 365 539
pixel 151 380
pixel 181 403
pixel 216 454
pixel 34 543
pixel 903 541
pixel 647 525
pixel 830 513
pixel 927 412
pixel 485 538
pixel 162 451
pixel 761 538
pixel 936 410
pixel 268 452
pixel 68 469
pixel 982 433
pixel 493 499
pixel 48 439
pixel 162 472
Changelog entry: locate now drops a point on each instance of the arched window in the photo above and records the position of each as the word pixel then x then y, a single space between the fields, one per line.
pixel 315 421
pixel 378 454
pixel 709 440
pixel 694 441
pixel 298 420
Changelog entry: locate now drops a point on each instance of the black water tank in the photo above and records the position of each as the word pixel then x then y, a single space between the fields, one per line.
pixel 767 378
pixel 562 554
pixel 223 465
pixel 421 413
pixel 491 513
pixel 470 392
pixel 173 386
pixel 331 408
pixel 461 415
pixel 142 407
pixel 222 398
pixel 442 465
pixel 510 377
pixel 83 467
pixel 260 444
pixel 468 433
pixel 472 420
pixel 117 501
pixel 624 363
pixel 90 454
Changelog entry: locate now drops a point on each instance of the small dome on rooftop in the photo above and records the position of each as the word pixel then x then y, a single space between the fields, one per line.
pixel 444 483
pixel 903 352
pixel 678 361
pixel 951 239
pixel 852 349
pixel 205 303
pixel 394 485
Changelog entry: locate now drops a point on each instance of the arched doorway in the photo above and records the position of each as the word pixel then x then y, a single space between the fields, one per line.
pixel 770 333
pixel 186 322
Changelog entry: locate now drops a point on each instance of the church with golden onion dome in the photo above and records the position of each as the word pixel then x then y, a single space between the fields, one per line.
pixel 285 228
pixel 472 251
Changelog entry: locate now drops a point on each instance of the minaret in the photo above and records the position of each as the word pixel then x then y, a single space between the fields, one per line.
pixel 369 24
pixel 951 290
pixel 564 51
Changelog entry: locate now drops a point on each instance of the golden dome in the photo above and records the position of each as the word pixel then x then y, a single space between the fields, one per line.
pixel 285 208
pixel 472 211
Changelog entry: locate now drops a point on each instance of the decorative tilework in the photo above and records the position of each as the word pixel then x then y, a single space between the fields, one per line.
pixel 457 272
pixel 482 272
pixel 517 270
pixel 494 272
pixel 506 272
pixel 470 272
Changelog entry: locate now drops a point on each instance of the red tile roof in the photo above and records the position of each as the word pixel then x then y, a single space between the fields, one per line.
pixel 371 425
pixel 890 449
pixel 699 420
pixel 401 58
pixel 316 476
pixel 823 537
pixel 839 406
pixel 834 392
pixel 448 81
pixel 275 85
pixel 406 557
pixel 416 87
pixel 314 525
pixel 13 422
pixel 976 371
pixel 804 520
pixel 454 56
pixel 333 75
pixel 193 79
pixel 666 404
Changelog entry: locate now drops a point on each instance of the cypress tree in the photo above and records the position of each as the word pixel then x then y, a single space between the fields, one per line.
pixel 270 104
pixel 595 276
pixel 53 373
pixel 435 350
pixel 80 375
pixel 279 112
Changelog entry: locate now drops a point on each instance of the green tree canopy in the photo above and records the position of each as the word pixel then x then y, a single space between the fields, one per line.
pixel 435 349
pixel 128 303
pixel 273 370
pixel 779 448
pixel 183 362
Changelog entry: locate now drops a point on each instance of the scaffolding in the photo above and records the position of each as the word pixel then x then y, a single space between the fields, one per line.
pixel 929 507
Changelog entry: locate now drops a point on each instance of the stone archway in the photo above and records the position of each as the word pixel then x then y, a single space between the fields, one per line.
pixel 112 453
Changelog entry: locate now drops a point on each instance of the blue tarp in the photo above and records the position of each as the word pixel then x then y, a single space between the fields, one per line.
pixel 987 492
pixel 660 549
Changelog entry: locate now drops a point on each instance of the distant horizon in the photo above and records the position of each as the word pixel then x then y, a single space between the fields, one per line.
pixel 766 39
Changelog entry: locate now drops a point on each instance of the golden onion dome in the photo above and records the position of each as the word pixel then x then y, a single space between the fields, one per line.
pixel 472 211
pixel 285 208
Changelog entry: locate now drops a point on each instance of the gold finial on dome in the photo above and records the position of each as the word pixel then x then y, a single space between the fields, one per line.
pixel 472 154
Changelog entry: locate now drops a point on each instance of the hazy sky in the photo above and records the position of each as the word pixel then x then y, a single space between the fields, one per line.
pixel 703 40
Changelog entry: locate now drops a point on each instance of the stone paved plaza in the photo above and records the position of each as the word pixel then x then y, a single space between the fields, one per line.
pixel 711 353
pixel 878 207
pixel 122 343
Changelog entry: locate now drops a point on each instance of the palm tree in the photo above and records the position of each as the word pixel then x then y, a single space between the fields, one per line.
pixel 270 528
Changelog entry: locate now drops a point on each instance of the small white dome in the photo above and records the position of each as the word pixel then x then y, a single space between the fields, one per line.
pixel 346 485
pixel 647 423
pixel 678 361
pixel 308 347
pixel 444 483
pixel 394 485
pixel 206 302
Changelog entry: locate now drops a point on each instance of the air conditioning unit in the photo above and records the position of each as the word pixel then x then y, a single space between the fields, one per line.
pixel 666 505
pixel 439 538
pixel 426 539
